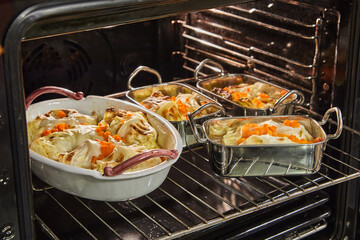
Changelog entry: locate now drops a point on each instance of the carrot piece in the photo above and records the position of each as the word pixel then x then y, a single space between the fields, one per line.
pixel 106 135
pixel 54 130
pixel 61 114
pixel 129 115
pixel 117 137
pixel 61 126
pixel 291 123
pixel 45 133
pixel 106 148
pixel 94 159
pixel 238 95
pixel 318 139
pixel 84 124
pixel 263 95
pixel 283 92
pixel 101 126
pixel 173 98
pixel 240 141
pixel 101 133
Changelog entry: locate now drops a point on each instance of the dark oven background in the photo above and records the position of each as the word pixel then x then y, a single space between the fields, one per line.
pixel 279 41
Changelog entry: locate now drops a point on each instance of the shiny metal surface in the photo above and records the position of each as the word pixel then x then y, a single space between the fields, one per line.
pixel 207 84
pixel 266 160
pixel 137 95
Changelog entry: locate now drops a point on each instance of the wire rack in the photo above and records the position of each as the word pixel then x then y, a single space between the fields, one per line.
pixel 191 199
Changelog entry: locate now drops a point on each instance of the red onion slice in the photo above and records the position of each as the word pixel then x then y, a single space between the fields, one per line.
pixel 120 168
pixel 52 89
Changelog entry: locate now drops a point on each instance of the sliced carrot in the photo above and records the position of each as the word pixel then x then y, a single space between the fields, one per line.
pixel 61 114
pixel 226 89
pixel 117 138
pixel 263 95
pixel 240 141
pixel 291 123
pixel 238 95
pixel 106 135
pixel 106 148
pixel 46 132
pixel 318 139
pixel 283 92
pixel 61 126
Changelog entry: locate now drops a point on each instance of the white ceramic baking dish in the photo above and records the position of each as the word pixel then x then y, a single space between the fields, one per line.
pixel 92 184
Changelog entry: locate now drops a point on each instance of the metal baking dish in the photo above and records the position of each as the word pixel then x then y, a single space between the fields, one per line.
pixel 137 95
pixel 280 107
pixel 271 159
pixel 92 184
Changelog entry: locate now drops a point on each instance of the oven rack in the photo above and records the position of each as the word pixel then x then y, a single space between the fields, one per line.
pixel 273 54
pixel 190 200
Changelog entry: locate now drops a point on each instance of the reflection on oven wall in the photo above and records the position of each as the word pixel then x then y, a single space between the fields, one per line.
pixel 99 62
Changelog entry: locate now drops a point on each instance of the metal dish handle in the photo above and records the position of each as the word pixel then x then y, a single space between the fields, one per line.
pixel 300 98
pixel 52 89
pixel 339 122
pixel 139 158
pixel 194 126
pixel 202 64
pixel 139 69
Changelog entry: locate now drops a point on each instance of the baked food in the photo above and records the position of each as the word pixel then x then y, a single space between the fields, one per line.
pixel 256 96
pixel 238 132
pixel 67 136
pixel 174 108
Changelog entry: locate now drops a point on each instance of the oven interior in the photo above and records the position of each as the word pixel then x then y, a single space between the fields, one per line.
pixel 295 44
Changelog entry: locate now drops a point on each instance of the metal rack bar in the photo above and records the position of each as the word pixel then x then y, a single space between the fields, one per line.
pixel 219 182
pixel 311 230
pixel 231 42
pixel 207 189
pixel 97 216
pixel 261 24
pixel 45 228
pixel 274 16
pixel 150 218
pixel 303 78
pixel 281 80
pixel 71 215
pixel 196 197
pixel 127 220
pixel 169 213
pixel 183 205
pixel 217 57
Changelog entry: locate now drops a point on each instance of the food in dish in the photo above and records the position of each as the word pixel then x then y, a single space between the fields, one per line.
pixel 174 108
pixel 67 136
pixel 256 96
pixel 236 132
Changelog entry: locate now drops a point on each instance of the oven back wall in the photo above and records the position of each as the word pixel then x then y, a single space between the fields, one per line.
pixel 100 61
